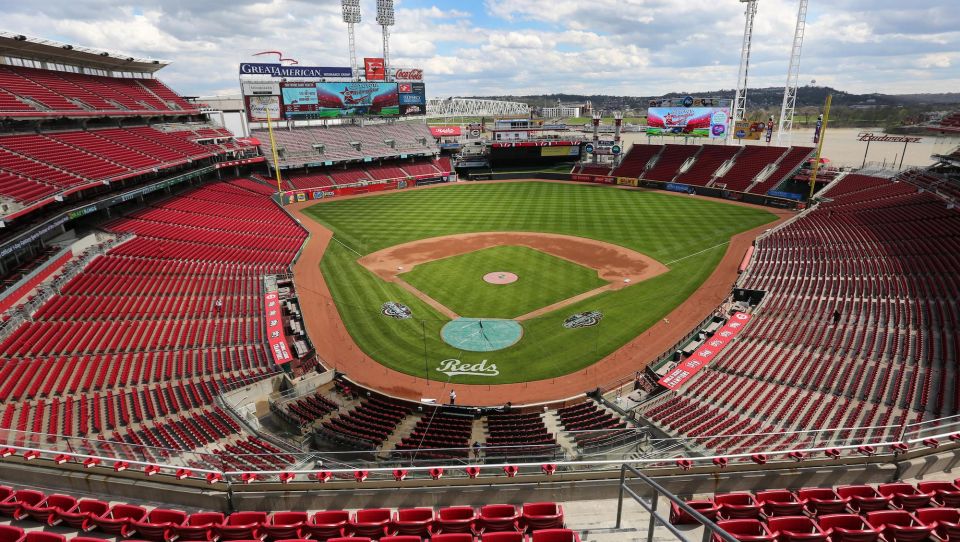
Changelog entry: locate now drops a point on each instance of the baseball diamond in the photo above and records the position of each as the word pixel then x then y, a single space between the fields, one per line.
pixel 687 236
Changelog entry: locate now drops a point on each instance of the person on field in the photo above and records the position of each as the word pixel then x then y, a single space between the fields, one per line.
pixel 453 397
pixel 836 316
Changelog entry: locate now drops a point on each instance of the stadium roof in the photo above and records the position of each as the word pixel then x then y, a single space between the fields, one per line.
pixel 18 45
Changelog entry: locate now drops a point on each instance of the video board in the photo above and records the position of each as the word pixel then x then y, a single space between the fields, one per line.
pixel 712 122
pixel 317 100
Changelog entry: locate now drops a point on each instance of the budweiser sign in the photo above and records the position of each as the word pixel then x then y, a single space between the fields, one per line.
pixel 408 75
pixel 869 136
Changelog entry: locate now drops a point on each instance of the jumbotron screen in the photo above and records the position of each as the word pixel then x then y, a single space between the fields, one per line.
pixel 688 121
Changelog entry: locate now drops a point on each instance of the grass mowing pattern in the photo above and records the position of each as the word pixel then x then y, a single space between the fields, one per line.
pixel 688 235
pixel 457 282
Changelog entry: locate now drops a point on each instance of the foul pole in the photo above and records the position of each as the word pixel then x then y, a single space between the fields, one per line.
pixel 276 157
pixel 823 135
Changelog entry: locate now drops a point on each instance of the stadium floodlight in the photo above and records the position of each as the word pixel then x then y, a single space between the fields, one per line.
pixel 351 16
pixel 740 101
pixel 386 18
pixel 785 129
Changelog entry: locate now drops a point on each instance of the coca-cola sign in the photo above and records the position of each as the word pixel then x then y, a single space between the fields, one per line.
pixel 403 74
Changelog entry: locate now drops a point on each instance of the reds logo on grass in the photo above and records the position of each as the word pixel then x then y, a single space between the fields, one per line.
pixel 455 367
pixel 583 319
pixel 396 310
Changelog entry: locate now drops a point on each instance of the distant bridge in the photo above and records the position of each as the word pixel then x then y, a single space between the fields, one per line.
pixel 469 107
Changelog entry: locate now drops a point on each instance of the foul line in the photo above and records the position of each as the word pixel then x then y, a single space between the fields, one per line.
pixel 346 247
pixel 695 253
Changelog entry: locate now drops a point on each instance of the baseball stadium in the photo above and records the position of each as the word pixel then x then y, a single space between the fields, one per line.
pixel 336 307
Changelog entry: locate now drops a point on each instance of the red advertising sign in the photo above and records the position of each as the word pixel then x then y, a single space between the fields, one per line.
pixel 404 74
pixel 707 352
pixel 374 69
pixel 445 131
pixel 275 335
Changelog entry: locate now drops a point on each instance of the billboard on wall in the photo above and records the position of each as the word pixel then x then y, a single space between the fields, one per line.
pixel 346 99
pixel 749 130
pixel 373 69
pixel 258 106
pixel 280 70
pixel 688 121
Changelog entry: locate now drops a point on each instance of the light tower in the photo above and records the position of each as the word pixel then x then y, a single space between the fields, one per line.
pixel 793 79
pixel 351 16
pixel 740 101
pixel 386 19
pixel 597 115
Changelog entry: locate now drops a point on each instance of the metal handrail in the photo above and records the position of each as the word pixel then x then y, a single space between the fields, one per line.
pixel 710 528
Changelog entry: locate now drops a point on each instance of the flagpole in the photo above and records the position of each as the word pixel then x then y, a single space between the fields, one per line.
pixel 276 158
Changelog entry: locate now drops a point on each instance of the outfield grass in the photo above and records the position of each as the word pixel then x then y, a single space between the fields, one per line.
pixel 689 235
pixel 457 282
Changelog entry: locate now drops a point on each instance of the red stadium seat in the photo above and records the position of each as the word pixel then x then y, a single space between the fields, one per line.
pixel 864 498
pixel 796 529
pixel 899 525
pixel 456 519
pixel 9 533
pixel 541 515
pixel 737 506
pixel 847 528
pixel 555 535
pixel 284 525
pixel 905 496
pixel 13 505
pixel 413 521
pixel 945 521
pixel 401 538
pixel 371 522
pixel 823 500
pixel 745 530
pixel 48 510
pixel 78 517
pixel 198 527
pixel 327 524
pixel 158 525
pixel 116 521
pixel 241 526
pixel 43 536
pixel 780 502
pixel 497 518
pixel 944 493
pixel 706 507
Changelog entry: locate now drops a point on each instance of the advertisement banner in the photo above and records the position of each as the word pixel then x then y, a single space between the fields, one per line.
pixel 346 99
pixel 748 130
pixel 373 69
pixel 412 110
pixel 288 72
pixel 257 107
pixel 769 131
pixel 706 353
pixel 627 181
pixel 408 74
pixel 560 151
pixel 446 131
pixel 268 88
pixel 688 121
pixel 275 334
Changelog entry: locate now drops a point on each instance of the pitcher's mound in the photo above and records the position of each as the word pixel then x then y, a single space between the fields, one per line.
pixel 500 277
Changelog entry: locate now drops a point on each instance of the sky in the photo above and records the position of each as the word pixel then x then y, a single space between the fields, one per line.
pixel 518 47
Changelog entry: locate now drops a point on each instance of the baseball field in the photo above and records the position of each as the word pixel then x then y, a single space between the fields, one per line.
pixel 595 266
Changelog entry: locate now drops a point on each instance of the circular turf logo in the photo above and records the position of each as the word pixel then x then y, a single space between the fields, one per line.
pixel 396 310
pixel 583 319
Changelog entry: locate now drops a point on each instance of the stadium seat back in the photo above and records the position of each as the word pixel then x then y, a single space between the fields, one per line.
pixel 944 493
pixel 542 515
pixel 796 529
pixel 452 537
pixel 823 500
pixel 456 519
pixel 706 507
pixel 43 536
pixel 327 524
pixel 737 506
pixel 413 521
pixel 502 536
pixel 745 530
pixel 9 533
pixel 199 526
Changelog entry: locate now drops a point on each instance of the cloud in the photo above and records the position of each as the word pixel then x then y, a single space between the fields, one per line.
pixel 503 47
